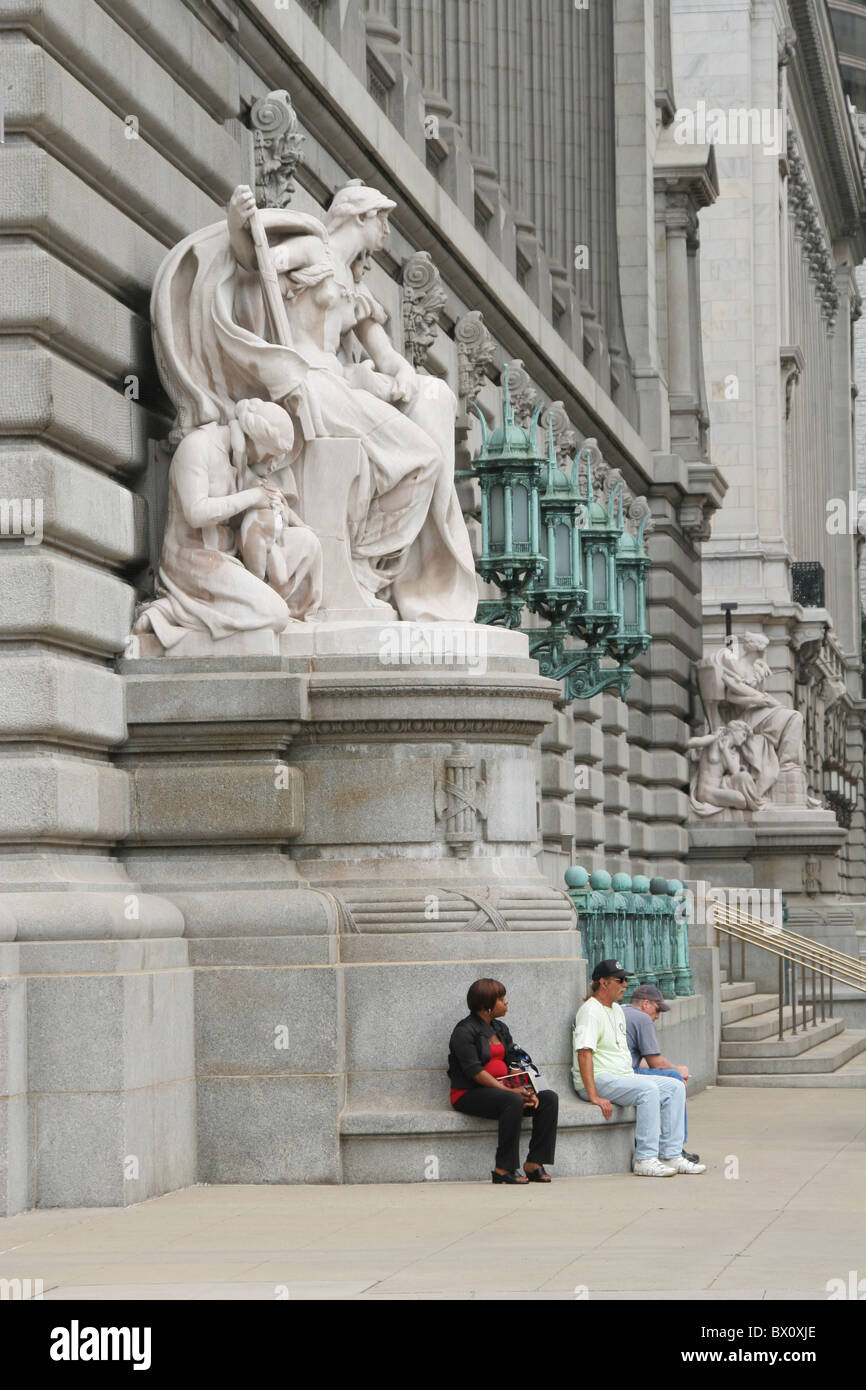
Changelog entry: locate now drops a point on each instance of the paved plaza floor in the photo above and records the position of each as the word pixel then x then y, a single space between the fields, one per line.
pixel 780 1212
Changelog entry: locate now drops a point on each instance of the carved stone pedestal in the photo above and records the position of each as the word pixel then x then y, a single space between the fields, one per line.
pixel 350 831
pixel 793 851
pixel 773 848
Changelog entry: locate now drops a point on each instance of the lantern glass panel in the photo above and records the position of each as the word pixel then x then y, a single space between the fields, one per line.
pixel 497 517
pixel 599 579
pixel 629 603
pixel 563 551
pixel 520 514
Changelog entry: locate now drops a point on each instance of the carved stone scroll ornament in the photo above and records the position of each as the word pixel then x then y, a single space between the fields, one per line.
pixel 524 396
pixel 277 142
pixel 476 351
pixel 564 433
pixel 423 301
pixel 638 511
pixel 604 479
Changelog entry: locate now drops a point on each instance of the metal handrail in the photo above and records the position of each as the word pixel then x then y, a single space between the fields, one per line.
pixel 791 950
pixel 843 968
pixel 848 963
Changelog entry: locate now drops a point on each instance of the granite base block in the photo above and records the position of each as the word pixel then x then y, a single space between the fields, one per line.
pixel 269 1129
pixel 112 1149
pixel 268 1022
pixel 16 1169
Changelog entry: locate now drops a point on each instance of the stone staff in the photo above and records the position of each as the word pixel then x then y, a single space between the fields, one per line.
pixel 271 291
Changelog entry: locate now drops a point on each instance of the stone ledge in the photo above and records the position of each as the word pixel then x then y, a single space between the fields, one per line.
pixel 573 1114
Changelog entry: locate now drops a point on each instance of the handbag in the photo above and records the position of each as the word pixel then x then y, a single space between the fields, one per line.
pixel 518 1057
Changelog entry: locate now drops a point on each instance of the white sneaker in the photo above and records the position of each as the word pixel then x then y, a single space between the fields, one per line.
pixel 652 1168
pixel 684 1165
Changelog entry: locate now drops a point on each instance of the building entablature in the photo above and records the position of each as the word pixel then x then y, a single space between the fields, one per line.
pixel 819 111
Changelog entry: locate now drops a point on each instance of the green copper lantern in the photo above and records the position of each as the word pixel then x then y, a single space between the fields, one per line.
pixel 555 548
pixel 509 468
pixel 632 563
pixel 558 590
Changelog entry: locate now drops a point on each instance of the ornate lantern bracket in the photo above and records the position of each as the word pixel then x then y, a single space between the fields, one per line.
pixel 556 548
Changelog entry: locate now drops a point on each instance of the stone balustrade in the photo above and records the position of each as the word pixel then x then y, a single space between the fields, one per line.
pixel 639 921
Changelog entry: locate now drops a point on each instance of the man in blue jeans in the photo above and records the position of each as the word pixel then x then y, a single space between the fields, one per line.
pixel 641 1013
pixel 603 1074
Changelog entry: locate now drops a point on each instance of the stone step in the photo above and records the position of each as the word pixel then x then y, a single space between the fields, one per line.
pixel 737 990
pixel 790 1044
pixel 748 1007
pixel 852 1073
pixel 825 1057
pixel 763 1025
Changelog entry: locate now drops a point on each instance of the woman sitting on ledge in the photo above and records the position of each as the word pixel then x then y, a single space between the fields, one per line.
pixel 481 1053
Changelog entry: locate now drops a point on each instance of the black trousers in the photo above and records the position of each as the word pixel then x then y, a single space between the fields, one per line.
pixel 507 1107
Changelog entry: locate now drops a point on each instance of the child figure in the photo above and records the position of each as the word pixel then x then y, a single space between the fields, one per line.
pixel 274 543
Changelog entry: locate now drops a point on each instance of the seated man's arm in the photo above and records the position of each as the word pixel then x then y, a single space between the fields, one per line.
pixel 587 1076
pixel 657 1061
pixel 642 1038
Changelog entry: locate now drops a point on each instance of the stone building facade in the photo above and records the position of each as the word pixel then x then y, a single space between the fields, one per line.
pixel 529 150
pixel 146 875
pixel 780 251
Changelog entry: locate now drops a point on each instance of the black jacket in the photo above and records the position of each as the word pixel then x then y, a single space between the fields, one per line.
pixel 470 1049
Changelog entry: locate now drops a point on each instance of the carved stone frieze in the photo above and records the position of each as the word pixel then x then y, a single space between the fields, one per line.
pixel 277 141
pixel 397 730
pixel 423 300
pixel 815 246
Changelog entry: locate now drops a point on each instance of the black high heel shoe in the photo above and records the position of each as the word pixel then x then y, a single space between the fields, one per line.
pixel 538 1174
pixel 517 1179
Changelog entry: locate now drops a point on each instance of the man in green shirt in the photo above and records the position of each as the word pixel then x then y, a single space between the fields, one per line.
pixel 603 1074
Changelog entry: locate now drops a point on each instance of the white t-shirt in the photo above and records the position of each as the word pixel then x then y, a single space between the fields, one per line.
pixel 603 1030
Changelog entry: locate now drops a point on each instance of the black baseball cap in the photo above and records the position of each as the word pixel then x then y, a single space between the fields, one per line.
pixel 611 967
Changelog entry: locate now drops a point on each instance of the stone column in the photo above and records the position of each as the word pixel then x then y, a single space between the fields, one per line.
pixel 678 221
pixel 391 78
pixel 543 96
pixel 421 23
pixel 465 72
pixel 507 109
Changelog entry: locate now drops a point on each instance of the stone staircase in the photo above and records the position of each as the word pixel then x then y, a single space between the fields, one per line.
pixel 752 1054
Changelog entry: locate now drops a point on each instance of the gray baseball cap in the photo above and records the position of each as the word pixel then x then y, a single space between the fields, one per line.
pixel 650 992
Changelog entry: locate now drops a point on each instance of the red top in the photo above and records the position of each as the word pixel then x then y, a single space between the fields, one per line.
pixel 495 1067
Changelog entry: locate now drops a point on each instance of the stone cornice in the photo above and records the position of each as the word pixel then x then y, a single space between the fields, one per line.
pixel 686 169
pixel 821 108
